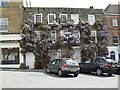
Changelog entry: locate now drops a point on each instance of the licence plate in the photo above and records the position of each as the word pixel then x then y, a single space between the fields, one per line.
pixel 113 66
pixel 73 70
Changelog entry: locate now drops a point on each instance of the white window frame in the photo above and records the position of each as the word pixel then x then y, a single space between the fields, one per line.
pixel 4 24
pixel 61 18
pixel 77 17
pixel 91 19
pixel 114 22
pixel 55 35
pixel 95 35
pixel 48 18
pixel 35 17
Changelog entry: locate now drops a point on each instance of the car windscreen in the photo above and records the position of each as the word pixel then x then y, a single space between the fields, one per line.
pixel 71 62
pixel 110 61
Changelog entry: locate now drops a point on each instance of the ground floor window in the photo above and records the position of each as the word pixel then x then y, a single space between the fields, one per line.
pixel 10 55
pixel 112 55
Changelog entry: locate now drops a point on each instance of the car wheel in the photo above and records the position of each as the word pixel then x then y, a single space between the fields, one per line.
pixel 60 73
pixel 47 70
pixel 109 74
pixel 75 75
pixel 99 71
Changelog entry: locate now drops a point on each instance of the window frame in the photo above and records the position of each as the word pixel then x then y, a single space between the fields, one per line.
pixel 62 21
pixel 114 22
pixel 93 19
pixel 118 39
pixel 4 24
pixel 4 1
pixel 48 18
pixel 95 35
pixel 36 19
pixel 76 17
pixel 51 35
pixel 36 36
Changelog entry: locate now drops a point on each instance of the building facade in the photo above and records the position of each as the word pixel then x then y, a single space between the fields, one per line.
pixel 112 21
pixel 11 20
pixel 48 15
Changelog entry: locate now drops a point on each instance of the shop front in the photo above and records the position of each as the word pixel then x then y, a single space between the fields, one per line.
pixel 10 51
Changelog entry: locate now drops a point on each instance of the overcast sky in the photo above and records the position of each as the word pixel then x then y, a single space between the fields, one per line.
pixel 101 4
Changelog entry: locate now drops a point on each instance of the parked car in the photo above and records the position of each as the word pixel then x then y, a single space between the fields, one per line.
pixel 99 65
pixel 63 67
pixel 118 69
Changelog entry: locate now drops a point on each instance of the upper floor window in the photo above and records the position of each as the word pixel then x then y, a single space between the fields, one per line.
pixel 94 36
pixel 67 35
pixel 63 18
pixel 51 18
pixel 37 18
pixel 91 19
pixel 4 2
pixel 75 18
pixel 115 38
pixel 114 22
pixel 3 24
pixel 53 36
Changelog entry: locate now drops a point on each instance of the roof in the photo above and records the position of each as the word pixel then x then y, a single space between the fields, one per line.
pixel 64 9
pixel 112 9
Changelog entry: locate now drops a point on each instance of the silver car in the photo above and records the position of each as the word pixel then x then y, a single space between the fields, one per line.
pixel 63 67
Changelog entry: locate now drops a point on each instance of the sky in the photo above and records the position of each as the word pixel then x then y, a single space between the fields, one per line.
pixel 97 4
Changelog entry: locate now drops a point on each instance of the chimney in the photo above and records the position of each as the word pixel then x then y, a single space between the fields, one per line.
pixel 91 7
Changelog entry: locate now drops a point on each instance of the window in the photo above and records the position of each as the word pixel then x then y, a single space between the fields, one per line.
pixel 101 60
pixel 63 18
pixel 37 18
pixel 91 19
pixel 37 36
pixel 52 36
pixel 59 54
pixel 114 22
pixel 4 3
pixel 53 62
pixel 51 18
pixel 75 18
pixel 67 34
pixel 94 36
pixel 10 55
pixel 3 24
pixel 88 61
pixel 116 39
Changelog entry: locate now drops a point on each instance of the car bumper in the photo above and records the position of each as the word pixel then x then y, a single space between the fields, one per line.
pixel 70 71
pixel 109 70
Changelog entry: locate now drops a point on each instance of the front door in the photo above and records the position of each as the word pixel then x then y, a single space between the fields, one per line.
pixel 77 55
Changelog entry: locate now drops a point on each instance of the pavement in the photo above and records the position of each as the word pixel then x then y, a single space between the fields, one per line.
pixel 37 78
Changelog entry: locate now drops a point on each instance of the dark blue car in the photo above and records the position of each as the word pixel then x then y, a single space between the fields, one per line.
pixel 99 65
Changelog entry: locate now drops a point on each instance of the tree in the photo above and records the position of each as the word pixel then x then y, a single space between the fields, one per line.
pixel 102 38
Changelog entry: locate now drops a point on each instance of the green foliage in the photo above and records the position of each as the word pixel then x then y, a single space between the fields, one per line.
pixel 23 66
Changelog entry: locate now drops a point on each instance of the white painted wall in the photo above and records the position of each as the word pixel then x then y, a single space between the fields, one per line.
pixel 115 49
pixel 30 59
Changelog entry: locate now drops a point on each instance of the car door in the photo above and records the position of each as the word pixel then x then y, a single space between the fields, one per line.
pixel 52 66
pixel 86 66
pixel 57 65
pixel 93 65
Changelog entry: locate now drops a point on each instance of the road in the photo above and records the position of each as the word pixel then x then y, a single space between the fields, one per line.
pixel 39 79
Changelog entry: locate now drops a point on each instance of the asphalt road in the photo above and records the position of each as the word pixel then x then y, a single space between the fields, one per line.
pixel 39 79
